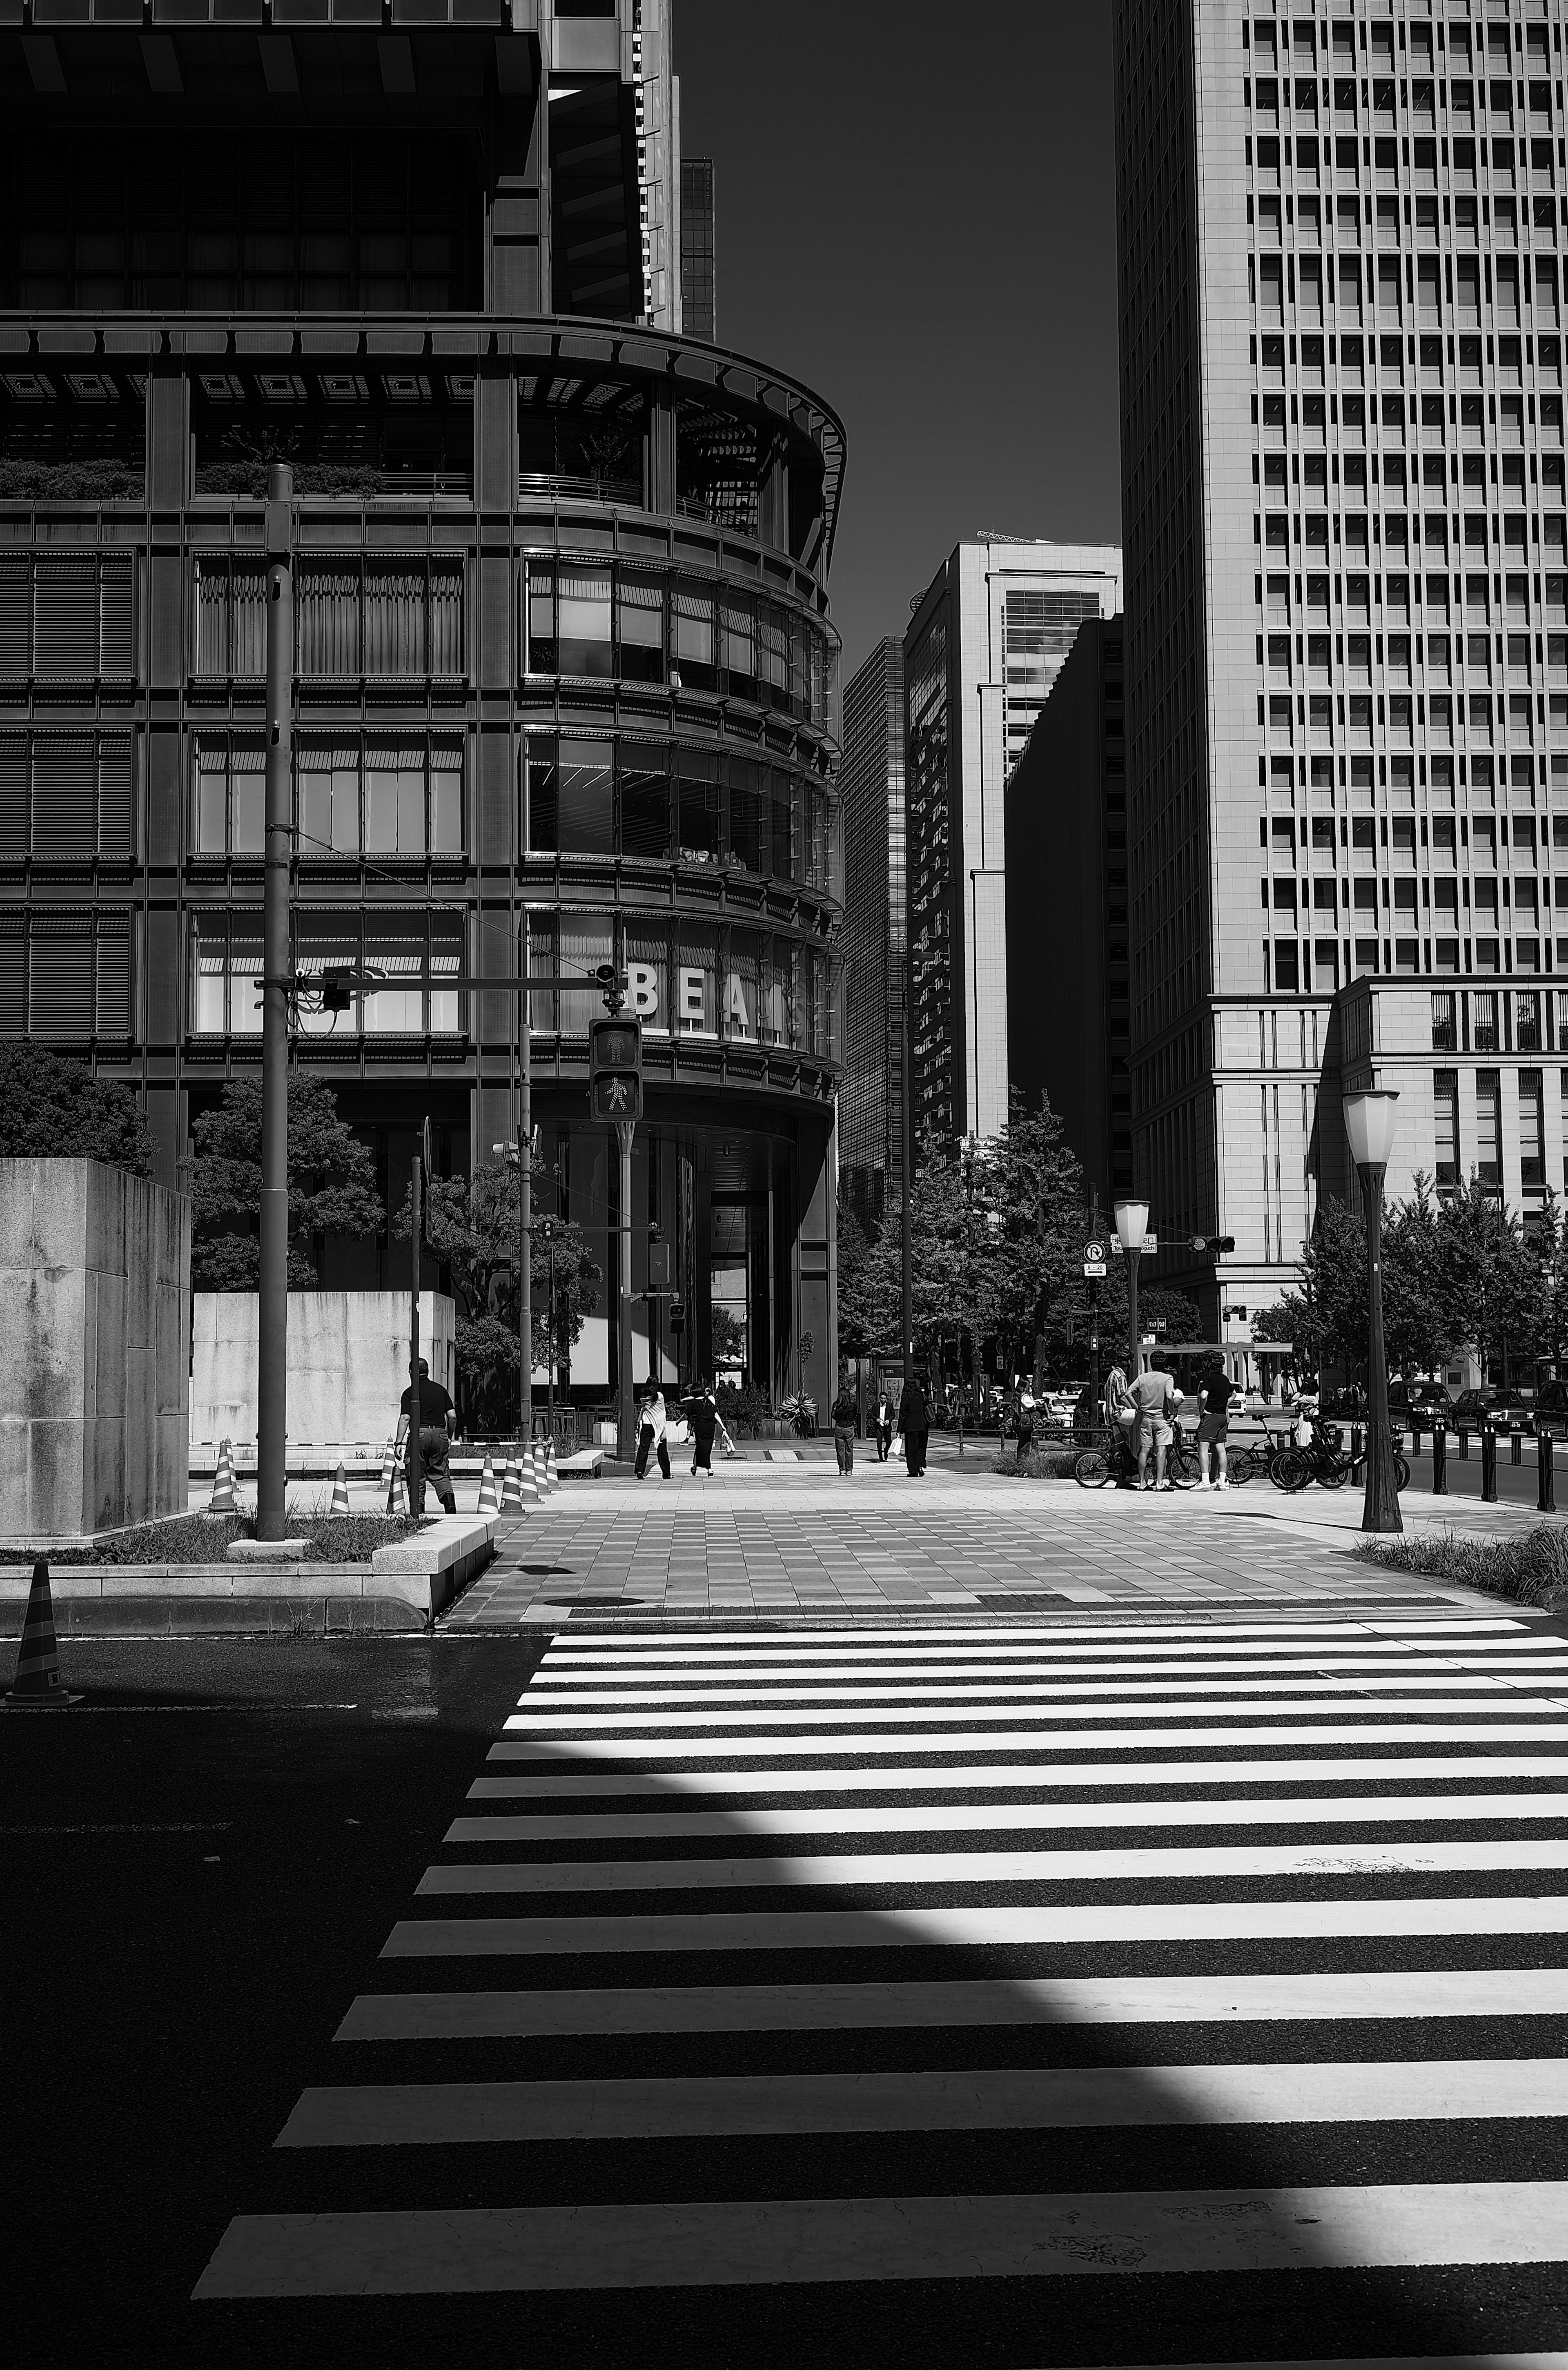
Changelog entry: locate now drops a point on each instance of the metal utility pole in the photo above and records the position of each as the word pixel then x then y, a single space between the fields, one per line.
pixel 908 1245
pixel 626 1413
pixel 273 1336
pixel 524 1193
pixel 416 1459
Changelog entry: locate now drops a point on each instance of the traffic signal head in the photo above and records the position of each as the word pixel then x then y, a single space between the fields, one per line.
pixel 615 1069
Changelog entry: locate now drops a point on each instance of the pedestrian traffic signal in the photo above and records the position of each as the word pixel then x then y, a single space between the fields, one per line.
pixel 615 1069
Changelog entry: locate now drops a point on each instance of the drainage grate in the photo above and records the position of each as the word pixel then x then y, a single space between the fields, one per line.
pixel 1021 1600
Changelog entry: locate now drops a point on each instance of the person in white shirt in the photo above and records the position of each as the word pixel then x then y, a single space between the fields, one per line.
pixel 651 1434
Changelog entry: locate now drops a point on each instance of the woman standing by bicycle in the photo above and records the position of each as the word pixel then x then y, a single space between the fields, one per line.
pixel 1214 1412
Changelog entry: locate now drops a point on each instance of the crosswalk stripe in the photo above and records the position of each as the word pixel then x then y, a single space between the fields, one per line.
pixel 1028 2000
pixel 677 1745
pixel 888 1714
pixel 977 1927
pixel 501 1827
pixel 372 2114
pixel 1243 1682
pixel 1120 2234
pixel 964 1636
pixel 652 1680
pixel 1040 1778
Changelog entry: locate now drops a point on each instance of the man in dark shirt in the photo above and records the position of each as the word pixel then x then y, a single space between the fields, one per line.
pixel 435 1425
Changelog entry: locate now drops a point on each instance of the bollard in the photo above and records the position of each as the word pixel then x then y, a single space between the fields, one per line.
pixel 1464 1445
pixel 1356 1454
pixel 1515 1446
pixel 1439 1460
pixel 1546 1481
pixel 1488 1465
pixel 1415 1439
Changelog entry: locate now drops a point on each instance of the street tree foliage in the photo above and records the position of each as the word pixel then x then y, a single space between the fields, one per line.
pixel 1458 1271
pixel 55 1110
pixel 471 1227
pixel 331 1185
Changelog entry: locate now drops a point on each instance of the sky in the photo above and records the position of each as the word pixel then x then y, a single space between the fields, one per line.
pixel 915 208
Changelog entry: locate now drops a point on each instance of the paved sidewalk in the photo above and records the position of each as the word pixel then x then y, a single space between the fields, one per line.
pixel 756 1539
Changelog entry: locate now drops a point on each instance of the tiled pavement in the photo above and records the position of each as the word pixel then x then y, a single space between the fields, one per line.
pixel 761 1539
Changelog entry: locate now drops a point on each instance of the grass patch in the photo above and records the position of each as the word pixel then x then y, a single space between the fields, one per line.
pixel 203 1538
pixel 1039 1464
pixel 1530 1570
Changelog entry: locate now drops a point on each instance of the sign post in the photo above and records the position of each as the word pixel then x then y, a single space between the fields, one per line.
pixel 416 1460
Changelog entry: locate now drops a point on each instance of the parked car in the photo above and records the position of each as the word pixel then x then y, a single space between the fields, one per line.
pixel 1550 1409
pixel 1421 1397
pixel 1507 1410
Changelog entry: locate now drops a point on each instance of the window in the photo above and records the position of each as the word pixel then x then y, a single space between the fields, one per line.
pixel 380 618
pixel 645 799
pixel 66 975
pixel 1488 1126
pixel 65 794
pixel 227 964
pixel 404 957
pixel 739 624
pixel 699 826
pixel 1483 1022
pixel 640 625
pixel 66 618
pixel 1445 1024
pixel 1526 1022
pixel 693 653
pixel 231 619
pixel 1445 1123
pixel 1532 1133
pixel 582 620
pixel 392 795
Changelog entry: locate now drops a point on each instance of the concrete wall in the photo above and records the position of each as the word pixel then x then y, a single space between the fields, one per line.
pixel 94 1303
pixel 347 1362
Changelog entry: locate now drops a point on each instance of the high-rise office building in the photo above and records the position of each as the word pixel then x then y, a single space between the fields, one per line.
pixel 1339 236
pixel 698 264
pixel 871 785
pixel 1067 911
pixel 981 653
pixel 563 642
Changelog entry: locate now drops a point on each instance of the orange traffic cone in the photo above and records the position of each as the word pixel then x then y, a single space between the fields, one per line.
pixel 488 1501
pixel 38 1685
pixel 223 1501
pixel 340 1490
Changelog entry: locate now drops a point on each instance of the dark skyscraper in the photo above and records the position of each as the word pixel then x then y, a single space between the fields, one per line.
pixel 698 296
pixel 562 644
pixel 870 1101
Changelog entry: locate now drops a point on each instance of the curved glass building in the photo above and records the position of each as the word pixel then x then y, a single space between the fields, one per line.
pixel 562 640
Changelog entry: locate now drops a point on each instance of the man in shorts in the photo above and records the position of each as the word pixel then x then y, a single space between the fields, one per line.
pixel 1213 1406
pixel 1155 1399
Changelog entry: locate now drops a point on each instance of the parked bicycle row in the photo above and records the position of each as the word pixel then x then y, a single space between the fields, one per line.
pixel 1143 1444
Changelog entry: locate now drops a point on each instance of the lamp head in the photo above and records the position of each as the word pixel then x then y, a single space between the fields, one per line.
pixel 1370 1125
pixel 1132 1225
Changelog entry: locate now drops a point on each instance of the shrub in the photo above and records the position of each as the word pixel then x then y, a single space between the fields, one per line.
pixel 55 1110
pixel 1039 1465
pixel 203 1538
pixel 744 1409
pixel 1530 1569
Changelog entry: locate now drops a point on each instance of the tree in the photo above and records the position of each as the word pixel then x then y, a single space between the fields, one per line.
pixel 1035 1183
pixel 55 1110
pixel 471 1226
pixel 1490 1283
pixel 331 1185
pixel 870 1284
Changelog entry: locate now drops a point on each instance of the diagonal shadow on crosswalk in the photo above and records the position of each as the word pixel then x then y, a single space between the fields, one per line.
pixel 1053 1995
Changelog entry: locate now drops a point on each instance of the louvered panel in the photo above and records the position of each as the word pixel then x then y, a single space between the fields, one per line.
pixel 114 795
pixel 12 975
pixel 66 618
pixel 163 985
pixel 15 617
pixel 59 987
pixel 65 800
pixel 117 646
pixel 497 799
pixel 496 1012
pixel 114 982
pixel 13 795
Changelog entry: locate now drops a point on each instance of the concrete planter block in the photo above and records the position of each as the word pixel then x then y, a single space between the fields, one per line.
pixel 445 1556
pixel 94 1300
pixel 347 1362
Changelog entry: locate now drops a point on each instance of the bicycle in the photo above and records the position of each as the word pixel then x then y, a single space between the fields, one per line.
pixel 1112 1459
pixel 1294 1470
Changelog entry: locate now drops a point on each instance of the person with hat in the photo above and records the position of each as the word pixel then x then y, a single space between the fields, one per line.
pixel 434 1437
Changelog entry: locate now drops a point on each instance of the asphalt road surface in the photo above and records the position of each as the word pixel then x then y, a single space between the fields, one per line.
pixel 1068 1992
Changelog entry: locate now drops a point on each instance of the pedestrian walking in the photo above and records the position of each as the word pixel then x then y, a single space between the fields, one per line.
pixel 844 1413
pixel 434 1421
pixel 701 1411
pixel 915 1422
pixel 1214 1411
pixel 884 1424
pixel 1154 1396
pixel 1025 1421
pixel 650 1439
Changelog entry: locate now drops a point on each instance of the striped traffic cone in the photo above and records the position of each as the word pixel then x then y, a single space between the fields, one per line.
pixel 38 1685
pixel 223 1500
pixel 392 1475
pixel 550 1474
pixel 340 1490
pixel 528 1487
pixel 488 1501
pixel 541 1470
pixel 511 1490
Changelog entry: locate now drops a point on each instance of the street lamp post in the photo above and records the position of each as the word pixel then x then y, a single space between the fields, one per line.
pixel 1370 1125
pixel 1132 1225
